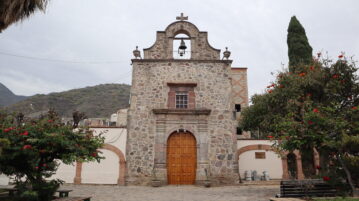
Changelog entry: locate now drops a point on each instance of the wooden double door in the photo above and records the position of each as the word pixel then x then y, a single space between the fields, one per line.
pixel 181 158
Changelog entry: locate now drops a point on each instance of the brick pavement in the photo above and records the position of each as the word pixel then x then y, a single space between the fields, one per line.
pixel 174 193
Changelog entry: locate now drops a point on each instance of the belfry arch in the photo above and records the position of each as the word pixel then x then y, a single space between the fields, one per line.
pixel 163 47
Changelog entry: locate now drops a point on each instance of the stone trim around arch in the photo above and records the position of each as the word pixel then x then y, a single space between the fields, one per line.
pixel 175 129
pixel 253 147
pixel 122 166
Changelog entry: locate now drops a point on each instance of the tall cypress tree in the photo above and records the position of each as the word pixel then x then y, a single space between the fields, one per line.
pixel 299 49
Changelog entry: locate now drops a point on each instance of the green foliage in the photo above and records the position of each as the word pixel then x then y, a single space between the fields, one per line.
pixel 29 195
pixel 98 101
pixel 299 49
pixel 35 148
pixel 314 108
pixel 255 118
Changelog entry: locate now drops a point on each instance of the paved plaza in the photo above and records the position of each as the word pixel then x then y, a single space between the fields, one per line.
pixel 174 193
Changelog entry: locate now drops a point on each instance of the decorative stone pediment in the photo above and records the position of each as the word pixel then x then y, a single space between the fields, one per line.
pixel 163 47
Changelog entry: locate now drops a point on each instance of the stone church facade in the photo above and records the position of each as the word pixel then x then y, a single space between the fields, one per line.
pixel 182 118
pixel 181 124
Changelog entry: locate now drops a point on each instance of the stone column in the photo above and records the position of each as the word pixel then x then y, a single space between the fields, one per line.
pixel 300 175
pixel 160 149
pixel 202 153
pixel 77 179
pixel 285 167
pixel 121 176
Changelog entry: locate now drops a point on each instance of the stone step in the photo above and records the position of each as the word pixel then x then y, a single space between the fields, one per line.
pixel 261 183
pixel 285 199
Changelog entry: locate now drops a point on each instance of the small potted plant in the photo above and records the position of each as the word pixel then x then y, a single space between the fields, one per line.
pixel 155 182
pixel 207 182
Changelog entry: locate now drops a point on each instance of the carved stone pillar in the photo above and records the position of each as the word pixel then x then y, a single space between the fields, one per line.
pixel 285 167
pixel 77 179
pixel 300 174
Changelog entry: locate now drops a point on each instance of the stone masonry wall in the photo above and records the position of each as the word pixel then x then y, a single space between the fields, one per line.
pixel 214 132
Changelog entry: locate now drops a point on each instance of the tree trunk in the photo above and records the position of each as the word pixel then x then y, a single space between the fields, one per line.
pixel 349 177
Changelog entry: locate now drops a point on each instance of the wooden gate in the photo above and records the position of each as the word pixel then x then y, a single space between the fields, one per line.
pixel 181 158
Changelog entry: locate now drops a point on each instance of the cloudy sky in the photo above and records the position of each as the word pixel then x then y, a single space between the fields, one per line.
pixel 79 43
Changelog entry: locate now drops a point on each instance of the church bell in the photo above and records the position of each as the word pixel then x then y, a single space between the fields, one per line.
pixel 182 48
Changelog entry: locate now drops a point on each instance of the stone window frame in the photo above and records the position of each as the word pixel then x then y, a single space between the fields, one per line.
pixel 181 87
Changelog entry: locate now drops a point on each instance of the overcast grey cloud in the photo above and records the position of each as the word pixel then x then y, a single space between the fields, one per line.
pixel 107 31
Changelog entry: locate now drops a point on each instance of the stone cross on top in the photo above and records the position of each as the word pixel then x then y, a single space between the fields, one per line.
pixel 182 17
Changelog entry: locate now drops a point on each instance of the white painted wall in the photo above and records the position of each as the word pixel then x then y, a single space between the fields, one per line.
pixel 247 161
pixel 114 136
pixel 272 164
pixel 113 117
pixel 65 172
pixel 4 180
pixel 106 172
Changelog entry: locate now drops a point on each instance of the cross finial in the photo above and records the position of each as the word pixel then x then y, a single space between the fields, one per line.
pixel 182 17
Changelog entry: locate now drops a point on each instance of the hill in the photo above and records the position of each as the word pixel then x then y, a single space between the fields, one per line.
pixel 7 97
pixel 96 101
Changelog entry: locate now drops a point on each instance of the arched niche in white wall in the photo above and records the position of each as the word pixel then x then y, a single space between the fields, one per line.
pixel 106 172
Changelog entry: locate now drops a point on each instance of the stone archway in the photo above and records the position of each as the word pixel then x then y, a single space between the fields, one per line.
pixel 299 168
pixel 254 147
pixel 284 155
pixel 274 167
pixel 122 169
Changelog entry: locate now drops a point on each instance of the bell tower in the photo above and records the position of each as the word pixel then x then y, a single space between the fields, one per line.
pixel 181 122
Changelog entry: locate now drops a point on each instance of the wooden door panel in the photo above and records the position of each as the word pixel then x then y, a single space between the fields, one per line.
pixel 181 158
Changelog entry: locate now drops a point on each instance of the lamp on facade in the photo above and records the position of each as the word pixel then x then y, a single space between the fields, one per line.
pixel 182 48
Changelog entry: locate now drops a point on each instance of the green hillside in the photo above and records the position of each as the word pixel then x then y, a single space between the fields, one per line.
pixel 97 101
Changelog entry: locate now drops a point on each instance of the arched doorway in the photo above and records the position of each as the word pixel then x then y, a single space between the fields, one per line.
pixel 292 166
pixel 121 166
pixel 181 158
